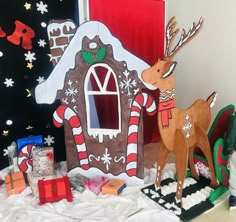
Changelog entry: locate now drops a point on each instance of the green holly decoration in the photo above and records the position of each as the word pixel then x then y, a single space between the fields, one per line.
pixel 94 57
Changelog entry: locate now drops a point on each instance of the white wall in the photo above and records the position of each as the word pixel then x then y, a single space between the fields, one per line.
pixel 208 62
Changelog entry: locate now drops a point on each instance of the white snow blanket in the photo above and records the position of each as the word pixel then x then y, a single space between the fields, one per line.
pixel 130 206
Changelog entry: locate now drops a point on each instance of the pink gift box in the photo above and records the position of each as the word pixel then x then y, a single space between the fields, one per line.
pixel 95 185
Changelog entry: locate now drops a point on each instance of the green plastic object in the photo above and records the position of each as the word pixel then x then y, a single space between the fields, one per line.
pixel 215 194
pixel 220 162
pixel 230 136
pixel 230 106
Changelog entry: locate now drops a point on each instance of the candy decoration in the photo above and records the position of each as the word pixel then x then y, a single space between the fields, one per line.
pixel 66 113
pixel 140 100
pixel 25 158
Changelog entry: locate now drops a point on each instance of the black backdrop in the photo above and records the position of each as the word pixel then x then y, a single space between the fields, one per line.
pixel 20 115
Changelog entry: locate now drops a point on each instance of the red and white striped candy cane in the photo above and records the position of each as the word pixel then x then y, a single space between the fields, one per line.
pixel 140 100
pixel 64 112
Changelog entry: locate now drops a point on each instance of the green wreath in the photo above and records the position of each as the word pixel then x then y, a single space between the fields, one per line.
pixel 90 57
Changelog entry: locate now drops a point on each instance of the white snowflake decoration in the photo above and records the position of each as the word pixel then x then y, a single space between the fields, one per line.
pixel 106 159
pixel 40 79
pixel 128 84
pixel 49 140
pixel 5 152
pixel 187 127
pixel 42 43
pixel 41 7
pixel 71 92
pixel 9 82
pixel 10 151
pixel 65 101
pixel 29 56
pixel 188 135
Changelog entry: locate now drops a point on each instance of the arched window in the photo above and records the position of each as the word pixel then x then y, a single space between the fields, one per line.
pixel 102 100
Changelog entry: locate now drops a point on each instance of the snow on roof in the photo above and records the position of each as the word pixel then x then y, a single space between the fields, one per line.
pixel 45 92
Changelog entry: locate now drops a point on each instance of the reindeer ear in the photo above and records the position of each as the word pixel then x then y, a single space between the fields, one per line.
pixel 169 70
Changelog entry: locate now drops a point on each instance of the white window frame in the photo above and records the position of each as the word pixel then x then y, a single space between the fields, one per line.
pixel 101 132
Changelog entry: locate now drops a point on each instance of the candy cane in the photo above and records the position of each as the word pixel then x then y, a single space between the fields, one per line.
pixel 140 100
pixel 25 158
pixel 66 113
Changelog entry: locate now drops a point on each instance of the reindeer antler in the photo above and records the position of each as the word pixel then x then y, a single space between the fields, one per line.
pixel 171 32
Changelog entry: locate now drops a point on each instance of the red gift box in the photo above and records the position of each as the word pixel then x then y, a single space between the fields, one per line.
pixel 54 190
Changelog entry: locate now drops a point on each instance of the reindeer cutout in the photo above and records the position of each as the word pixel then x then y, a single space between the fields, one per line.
pixel 181 130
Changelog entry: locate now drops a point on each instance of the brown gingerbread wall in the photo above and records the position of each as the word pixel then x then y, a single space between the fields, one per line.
pixel 72 96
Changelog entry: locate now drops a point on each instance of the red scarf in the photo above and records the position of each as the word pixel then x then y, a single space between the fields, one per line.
pixel 165 109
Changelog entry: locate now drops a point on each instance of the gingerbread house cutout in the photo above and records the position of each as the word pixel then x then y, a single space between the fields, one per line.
pixel 98 84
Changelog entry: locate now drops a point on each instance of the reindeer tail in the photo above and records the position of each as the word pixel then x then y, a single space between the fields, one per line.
pixel 211 99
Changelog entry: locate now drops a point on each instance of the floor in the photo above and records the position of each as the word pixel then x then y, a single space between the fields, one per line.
pixel 218 214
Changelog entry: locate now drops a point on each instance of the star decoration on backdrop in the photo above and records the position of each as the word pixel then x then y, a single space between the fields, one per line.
pixel 29 65
pixel 27 6
pixel 5 132
pixel 29 127
pixel 9 82
pixel 29 93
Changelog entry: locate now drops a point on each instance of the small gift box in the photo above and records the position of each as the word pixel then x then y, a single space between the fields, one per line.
pixel 77 182
pixel 95 185
pixel 15 183
pixel 33 140
pixel 43 162
pixel 114 186
pixel 25 147
pixel 54 190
